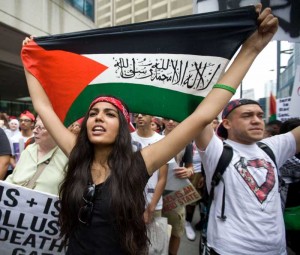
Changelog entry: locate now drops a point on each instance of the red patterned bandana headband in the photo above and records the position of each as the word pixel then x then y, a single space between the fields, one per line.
pixel 117 103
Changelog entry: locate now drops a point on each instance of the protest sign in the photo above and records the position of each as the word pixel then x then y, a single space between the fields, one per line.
pixel 283 108
pixel 28 222
pixel 178 192
pixel 181 197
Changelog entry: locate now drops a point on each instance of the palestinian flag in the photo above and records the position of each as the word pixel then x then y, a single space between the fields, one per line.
pixel 162 68
pixel 272 107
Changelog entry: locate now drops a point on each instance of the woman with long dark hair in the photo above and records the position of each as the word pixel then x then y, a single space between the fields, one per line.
pixel 102 193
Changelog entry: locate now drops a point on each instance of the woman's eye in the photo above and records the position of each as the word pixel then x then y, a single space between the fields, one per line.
pixel 92 114
pixel 110 114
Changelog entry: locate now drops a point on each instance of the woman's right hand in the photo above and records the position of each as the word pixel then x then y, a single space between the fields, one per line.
pixel 42 105
pixel 27 40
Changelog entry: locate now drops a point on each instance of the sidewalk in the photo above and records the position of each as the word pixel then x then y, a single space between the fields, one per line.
pixel 191 247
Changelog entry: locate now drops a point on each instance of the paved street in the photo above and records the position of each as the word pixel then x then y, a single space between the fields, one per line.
pixel 190 247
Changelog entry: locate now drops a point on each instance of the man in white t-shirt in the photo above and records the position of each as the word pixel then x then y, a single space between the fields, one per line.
pixel 142 137
pixel 184 170
pixel 27 121
pixel 253 221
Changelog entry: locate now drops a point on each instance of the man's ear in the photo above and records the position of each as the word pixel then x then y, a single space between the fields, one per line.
pixel 226 123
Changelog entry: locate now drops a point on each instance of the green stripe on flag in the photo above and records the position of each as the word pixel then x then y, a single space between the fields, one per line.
pixel 140 98
pixel 273 117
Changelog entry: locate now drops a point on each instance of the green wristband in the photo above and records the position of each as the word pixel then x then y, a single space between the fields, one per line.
pixel 222 86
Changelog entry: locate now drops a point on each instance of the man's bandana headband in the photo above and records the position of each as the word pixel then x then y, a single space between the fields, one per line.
pixel 117 103
pixel 28 114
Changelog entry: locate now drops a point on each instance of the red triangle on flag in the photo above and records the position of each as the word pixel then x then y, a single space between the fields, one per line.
pixel 63 75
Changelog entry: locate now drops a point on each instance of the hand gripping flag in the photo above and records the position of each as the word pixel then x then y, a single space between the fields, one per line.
pixel 162 68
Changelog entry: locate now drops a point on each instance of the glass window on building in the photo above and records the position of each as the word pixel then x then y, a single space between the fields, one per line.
pixel 13 108
pixel 86 7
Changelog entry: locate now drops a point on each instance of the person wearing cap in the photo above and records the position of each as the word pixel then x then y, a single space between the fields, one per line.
pixel 102 195
pixel 156 125
pixel 18 141
pixel 253 220
pixel 26 121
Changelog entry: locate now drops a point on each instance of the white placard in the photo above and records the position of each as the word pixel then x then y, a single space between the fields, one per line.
pixel 28 222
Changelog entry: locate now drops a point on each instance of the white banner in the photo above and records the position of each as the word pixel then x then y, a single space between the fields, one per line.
pixel 295 100
pixel 28 222
pixel 189 74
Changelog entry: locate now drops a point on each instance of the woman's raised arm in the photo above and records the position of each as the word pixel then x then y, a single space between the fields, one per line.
pixel 159 153
pixel 62 136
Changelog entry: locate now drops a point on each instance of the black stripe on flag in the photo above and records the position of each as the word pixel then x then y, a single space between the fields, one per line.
pixel 209 34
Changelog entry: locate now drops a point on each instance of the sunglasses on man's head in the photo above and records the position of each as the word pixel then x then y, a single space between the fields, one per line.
pixel 85 212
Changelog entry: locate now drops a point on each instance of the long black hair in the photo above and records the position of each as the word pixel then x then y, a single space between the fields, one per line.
pixel 126 186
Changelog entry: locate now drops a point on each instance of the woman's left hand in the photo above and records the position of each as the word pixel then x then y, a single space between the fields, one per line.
pixel 267 27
